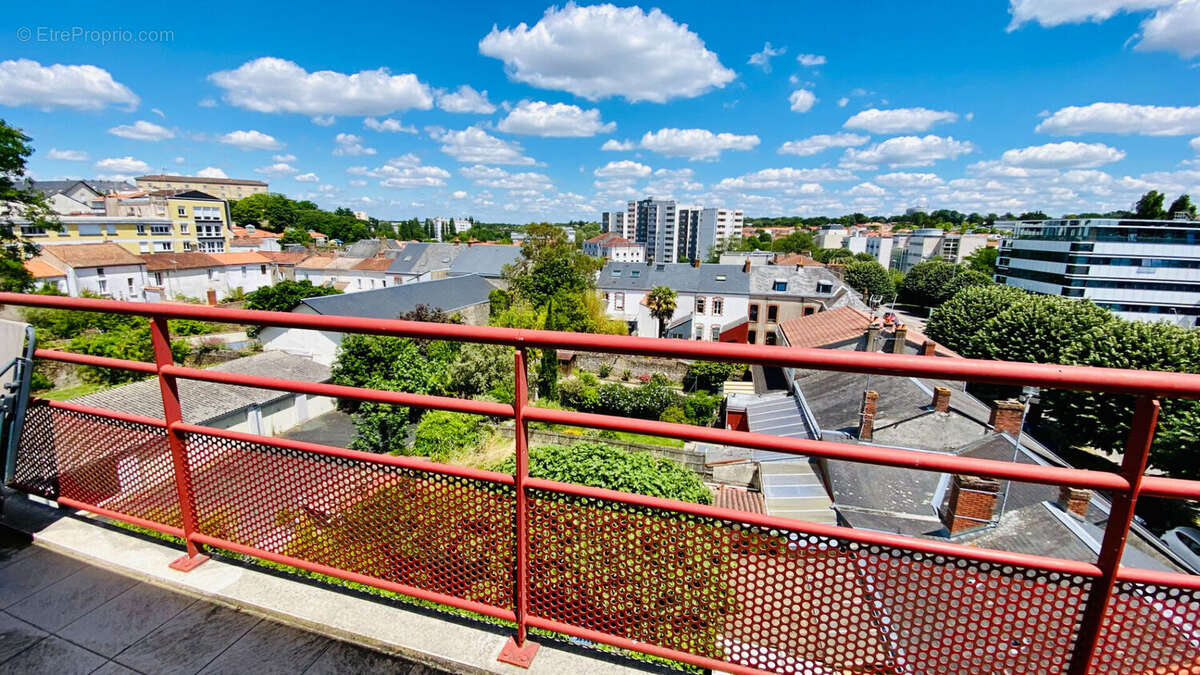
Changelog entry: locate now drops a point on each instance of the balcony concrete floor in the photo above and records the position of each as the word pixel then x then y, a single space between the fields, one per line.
pixel 60 615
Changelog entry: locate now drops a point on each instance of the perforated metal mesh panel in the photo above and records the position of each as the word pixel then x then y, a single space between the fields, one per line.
pixel 436 532
pixel 1150 629
pixel 790 602
pixel 118 465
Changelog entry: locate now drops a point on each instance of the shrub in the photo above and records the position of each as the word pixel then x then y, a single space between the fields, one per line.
pixel 644 378
pixel 710 375
pixel 132 343
pixel 701 408
pixel 605 370
pixel 190 327
pixel 39 382
pixel 673 414
pixel 625 375
pixel 442 434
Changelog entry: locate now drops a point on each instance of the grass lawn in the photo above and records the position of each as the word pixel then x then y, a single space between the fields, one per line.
pixel 67 393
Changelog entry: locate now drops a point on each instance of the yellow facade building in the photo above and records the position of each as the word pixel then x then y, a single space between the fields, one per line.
pixel 224 188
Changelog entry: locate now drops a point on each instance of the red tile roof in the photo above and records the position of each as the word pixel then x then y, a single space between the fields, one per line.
pixel 826 328
pixel 91 255
pixel 240 258
pixel 258 233
pixel 376 264
pixel 797 259
pixel 40 269
pixel 284 257
pixel 740 500
pixel 186 260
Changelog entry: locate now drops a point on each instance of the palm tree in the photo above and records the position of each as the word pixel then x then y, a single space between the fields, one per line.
pixel 661 302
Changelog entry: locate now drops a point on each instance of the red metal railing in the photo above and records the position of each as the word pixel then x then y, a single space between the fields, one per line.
pixel 701 585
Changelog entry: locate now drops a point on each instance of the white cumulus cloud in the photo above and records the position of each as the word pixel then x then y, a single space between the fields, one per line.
pixel 211 172
pixel 1195 143
pixel 785 179
pixel 763 58
pixel 867 189
pixel 623 169
pixel 123 165
pixel 250 140
pixel 1173 29
pixel 1067 155
pixel 695 144
pixel 602 50
pixel 287 157
pixel 802 100
pixel 898 120
pixel 406 172
pixel 495 177
pixel 142 131
pixel 613 144
pixel 905 151
pixel 557 120
pixel 271 85
pixel 1174 25
pixel 903 179
pixel 1123 118
pixel 82 87
pixel 815 144
pixel 389 125
pixel 67 155
pixel 810 60
pixel 473 145
pixel 349 145
pixel 277 169
pixel 466 100
pixel 308 178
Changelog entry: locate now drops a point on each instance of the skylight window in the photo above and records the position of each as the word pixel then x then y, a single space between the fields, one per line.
pixel 720 277
pixel 616 273
pixel 635 273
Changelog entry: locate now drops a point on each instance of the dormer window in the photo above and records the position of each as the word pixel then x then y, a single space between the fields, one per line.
pixel 824 287
pixel 779 285
pixel 635 273
pixel 616 273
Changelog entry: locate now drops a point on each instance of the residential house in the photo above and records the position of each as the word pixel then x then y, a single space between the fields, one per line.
pixel 223 406
pixel 105 269
pixel 178 276
pixel 711 300
pixel 283 264
pixel 77 197
pixel 251 238
pixel 368 273
pixel 614 247
pixel 46 274
pixel 466 296
pixel 241 272
pixel 423 261
pixel 779 293
pixel 312 269
pixel 202 219
pixel 223 188
pixel 486 260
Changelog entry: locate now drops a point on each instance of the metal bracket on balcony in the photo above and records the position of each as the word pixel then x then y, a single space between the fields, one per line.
pixel 186 563
pixel 515 655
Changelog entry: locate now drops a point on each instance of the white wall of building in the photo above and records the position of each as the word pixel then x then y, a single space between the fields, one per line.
pixel 121 282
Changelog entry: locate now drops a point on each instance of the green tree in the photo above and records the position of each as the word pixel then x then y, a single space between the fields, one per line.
pixel 710 375
pixel 955 322
pixel 603 466
pixel 983 260
pixel 868 278
pixel 295 235
pixel 1150 205
pixel 934 281
pixel 381 428
pixel 794 243
pixel 1102 420
pixel 443 435
pixel 1037 330
pixel 1182 204
pixel 131 342
pixel 283 297
pixel 547 381
pixel 661 301
pixel 18 199
pixel 483 370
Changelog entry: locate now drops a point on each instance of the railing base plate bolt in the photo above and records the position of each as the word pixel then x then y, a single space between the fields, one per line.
pixel 518 656
pixel 185 563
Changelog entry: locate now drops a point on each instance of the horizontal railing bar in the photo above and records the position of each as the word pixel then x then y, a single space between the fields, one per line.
pixel 1157 383
pixel 869 454
pixel 1156 578
pixel 403 461
pixel 105 412
pixel 643 647
pixel 117 515
pixel 819 529
pixel 471 406
pixel 99 361
pixel 403 589
pixel 1172 488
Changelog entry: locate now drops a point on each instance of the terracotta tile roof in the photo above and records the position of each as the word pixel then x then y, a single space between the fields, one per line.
pixel 317 235
pixel 240 258
pixel 284 257
pixel 797 259
pixel 315 262
pixel 258 233
pixel 376 264
pixel 91 255
pixel 740 500
pixel 40 269
pixel 157 262
pixel 825 328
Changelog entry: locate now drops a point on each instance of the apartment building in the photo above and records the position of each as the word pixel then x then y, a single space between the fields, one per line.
pixel 223 188
pixel 105 269
pixel 1142 270
pixel 926 243
pixel 831 236
pixel 673 232
pixel 614 247
pixel 614 222
pixel 710 303
pixel 878 247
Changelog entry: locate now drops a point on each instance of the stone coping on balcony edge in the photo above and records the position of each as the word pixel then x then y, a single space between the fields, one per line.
pixel 426 637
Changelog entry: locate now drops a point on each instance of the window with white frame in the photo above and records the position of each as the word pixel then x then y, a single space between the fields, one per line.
pixel 102 284
pixel 619 301
pixel 716 333
pixel 182 211
pixel 699 304
pixel 718 305
pixel 183 228
pixel 163 246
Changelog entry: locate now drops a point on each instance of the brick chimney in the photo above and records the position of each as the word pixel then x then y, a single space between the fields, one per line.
pixel 746 267
pixel 838 270
pixel 928 348
pixel 941 399
pixel 898 339
pixel 696 262
pixel 1006 416
pixel 866 427
pixel 971 503
pixel 1074 500
pixel 872 338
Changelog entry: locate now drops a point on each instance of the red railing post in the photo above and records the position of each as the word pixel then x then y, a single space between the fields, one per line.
pixel 160 337
pixel 1116 531
pixel 519 652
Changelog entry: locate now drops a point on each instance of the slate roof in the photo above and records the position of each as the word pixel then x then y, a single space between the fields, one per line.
pixel 201 179
pixel 53 187
pixel 417 258
pixel 485 259
pixel 184 260
pixel 449 294
pixel 364 248
pixel 203 402
pixel 91 255
pixel 683 277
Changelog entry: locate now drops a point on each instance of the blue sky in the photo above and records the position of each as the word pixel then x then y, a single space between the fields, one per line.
pixel 1057 105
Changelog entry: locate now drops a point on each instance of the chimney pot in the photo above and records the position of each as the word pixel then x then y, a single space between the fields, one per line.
pixel 899 338
pixel 1074 500
pixel 696 262
pixel 971 503
pixel 928 348
pixel 941 399
pixel 1006 416
pixel 867 426
pixel 872 337
pixel 746 266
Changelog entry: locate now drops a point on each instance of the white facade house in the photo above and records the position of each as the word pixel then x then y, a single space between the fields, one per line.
pixel 1142 270
pixel 194 275
pixel 879 248
pixel 709 298
pixel 247 271
pixel 104 269
pixel 926 243
pixel 615 248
